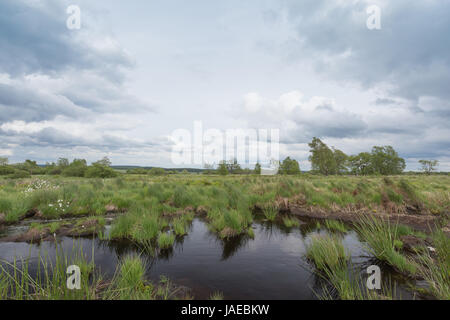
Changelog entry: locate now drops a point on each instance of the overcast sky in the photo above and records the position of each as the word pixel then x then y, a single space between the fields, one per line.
pixel 138 70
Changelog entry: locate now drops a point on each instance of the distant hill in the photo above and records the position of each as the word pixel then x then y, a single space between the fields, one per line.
pixel 167 169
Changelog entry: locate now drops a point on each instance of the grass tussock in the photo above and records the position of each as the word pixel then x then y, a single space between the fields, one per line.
pixel 270 212
pixel 217 295
pixel 290 222
pixel 335 225
pixel 334 266
pixel 383 242
pixel 165 240
pixel 327 252
pixel 50 280
pixel 435 269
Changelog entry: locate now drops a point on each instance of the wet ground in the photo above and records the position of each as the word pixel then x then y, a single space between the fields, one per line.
pixel 272 265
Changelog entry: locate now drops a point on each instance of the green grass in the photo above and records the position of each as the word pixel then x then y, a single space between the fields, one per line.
pixel 270 212
pixel 290 222
pixel 403 230
pixel 129 282
pixel 50 283
pixel 229 223
pixel 327 252
pixel 146 229
pixel 436 271
pixel 154 209
pixel 350 286
pixel 165 240
pixel 179 227
pixel 90 196
pixel 216 296
pixel 382 239
pixel 333 264
pixel 335 225
pixel 437 276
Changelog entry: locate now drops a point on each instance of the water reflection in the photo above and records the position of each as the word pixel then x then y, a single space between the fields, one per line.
pixel 271 265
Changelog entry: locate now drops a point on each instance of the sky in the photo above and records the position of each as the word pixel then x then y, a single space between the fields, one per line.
pixel 138 70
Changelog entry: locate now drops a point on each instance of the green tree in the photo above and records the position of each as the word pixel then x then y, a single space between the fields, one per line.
pixel 101 169
pixel 289 166
pixel 322 157
pixel 233 167
pixel 62 163
pixel 209 168
pixel 361 164
pixel 385 160
pixel 222 169
pixel 157 171
pixel 77 168
pixel 104 162
pixel 52 169
pixel 30 166
pixel 5 169
pixel 257 169
pixel 341 161
pixel 429 166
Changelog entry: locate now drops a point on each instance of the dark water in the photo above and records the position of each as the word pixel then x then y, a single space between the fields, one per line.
pixel 270 266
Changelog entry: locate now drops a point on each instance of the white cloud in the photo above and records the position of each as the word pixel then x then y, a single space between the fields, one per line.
pixel 91 92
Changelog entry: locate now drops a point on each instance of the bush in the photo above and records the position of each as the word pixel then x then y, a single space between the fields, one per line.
pixel 20 174
pixel 157 171
pixel 99 171
pixel 5 170
pixel 76 169
pixel 54 171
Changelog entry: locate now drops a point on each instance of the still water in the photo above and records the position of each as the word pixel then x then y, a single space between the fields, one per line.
pixel 272 265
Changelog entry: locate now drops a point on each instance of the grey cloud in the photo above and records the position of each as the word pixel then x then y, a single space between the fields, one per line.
pixel 52 71
pixel 35 39
pixel 384 101
pixel 50 136
pixel 332 123
pixel 411 52
pixel 20 102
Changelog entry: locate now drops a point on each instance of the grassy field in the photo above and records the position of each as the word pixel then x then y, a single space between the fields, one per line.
pixel 159 204
pixel 153 211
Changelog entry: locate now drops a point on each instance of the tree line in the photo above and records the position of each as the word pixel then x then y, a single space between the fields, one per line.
pixel 287 166
pixel 381 160
pixel 76 168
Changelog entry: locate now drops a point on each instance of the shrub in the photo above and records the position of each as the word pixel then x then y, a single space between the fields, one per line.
pixel 20 174
pixel 76 169
pixel 99 171
pixel 5 170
